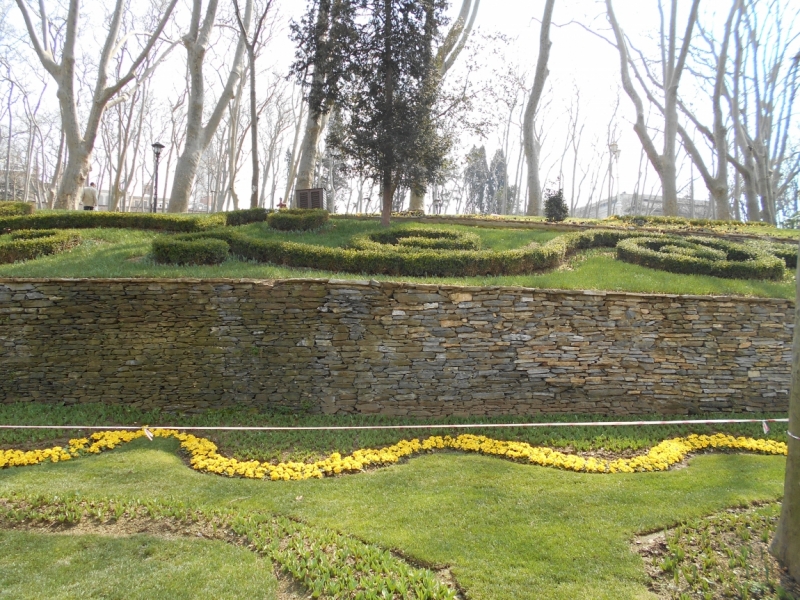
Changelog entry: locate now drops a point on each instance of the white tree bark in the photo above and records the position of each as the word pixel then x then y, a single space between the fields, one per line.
pixel 80 141
pixel 530 141
pixel 446 56
pixel 198 136
pixel 672 63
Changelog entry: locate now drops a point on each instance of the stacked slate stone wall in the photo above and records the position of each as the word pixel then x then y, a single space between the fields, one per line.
pixel 388 348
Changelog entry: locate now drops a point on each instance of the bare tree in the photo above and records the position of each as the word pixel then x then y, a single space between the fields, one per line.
pixel 672 62
pixel 531 143
pixel 446 56
pixel 198 136
pixel 80 142
pixel 251 46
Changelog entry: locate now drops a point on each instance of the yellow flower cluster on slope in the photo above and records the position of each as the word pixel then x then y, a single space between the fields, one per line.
pixel 204 456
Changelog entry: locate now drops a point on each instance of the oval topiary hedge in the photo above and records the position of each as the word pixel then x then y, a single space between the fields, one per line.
pixel 418 238
pixel 701 256
pixel 29 244
pixel 298 219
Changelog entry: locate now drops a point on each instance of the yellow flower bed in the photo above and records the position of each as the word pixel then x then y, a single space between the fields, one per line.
pixel 204 456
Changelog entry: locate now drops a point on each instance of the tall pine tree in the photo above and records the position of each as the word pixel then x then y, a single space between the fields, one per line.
pixel 384 85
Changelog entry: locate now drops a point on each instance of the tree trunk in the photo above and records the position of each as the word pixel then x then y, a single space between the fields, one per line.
pixel 531 144
pixel 75 174
pixel 417 202
pixel 786 545
pixel 253 131
pixel 388 78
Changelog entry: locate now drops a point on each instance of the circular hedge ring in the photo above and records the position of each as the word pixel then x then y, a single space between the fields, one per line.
pixel 28 244
pixel 701 256
pixel 418 239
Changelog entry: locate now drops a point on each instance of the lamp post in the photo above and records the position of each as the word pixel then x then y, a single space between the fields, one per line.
pixel 615 152
pixel 157 148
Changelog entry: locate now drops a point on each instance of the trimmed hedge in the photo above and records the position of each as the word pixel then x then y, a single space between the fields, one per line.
pixel 16 208
pixel 786 252
pixel 701 256
pixel 245 216
pixel 695 255
pixel 298 219
pixel 419 238
pixel 642 220
pixel 74 219
pixel 189 250
pixel 29 244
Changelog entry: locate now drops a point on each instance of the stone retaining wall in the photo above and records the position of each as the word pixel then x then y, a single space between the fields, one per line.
pixel 387 348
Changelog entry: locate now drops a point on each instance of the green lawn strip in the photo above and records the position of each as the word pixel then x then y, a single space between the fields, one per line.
pixel 326 562
pixel 36 565
pixel 312 445
pixel 508 530
pixel 125 253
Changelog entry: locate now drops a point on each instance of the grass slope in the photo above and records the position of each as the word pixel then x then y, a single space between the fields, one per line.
pixel 510 531
pixel 37 565
pixel 125 253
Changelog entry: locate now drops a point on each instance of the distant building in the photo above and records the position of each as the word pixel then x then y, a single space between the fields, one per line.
pixel 641 204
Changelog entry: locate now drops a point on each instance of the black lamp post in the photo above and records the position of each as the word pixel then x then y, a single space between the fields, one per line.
pixel 157 148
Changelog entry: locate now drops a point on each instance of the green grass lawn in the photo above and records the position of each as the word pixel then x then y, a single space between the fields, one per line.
pixel 507 530
pixel 36 565
pixel 125 253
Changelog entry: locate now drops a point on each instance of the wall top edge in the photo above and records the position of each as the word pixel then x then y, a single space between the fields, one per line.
pixel 363 283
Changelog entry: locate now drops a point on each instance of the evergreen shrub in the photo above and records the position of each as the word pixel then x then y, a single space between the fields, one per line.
pixel 30 244
pixel 8 209
pixel 245 216
pixel 298 219
pixel 555 208
pixel 420 238
pixel 642 220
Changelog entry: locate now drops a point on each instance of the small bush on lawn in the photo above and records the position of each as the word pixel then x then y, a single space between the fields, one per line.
pixel 74 219
pixel 189 250
pixel 701 256
pixel 8 209
pixel 248 215
pixel 297 219
pixel 29 244
pixel 555 208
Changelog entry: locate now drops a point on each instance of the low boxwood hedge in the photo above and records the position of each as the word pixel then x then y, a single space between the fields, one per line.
pixel 245 216
pixel 189 250
pixel 15 208
pixel 673 253
pixel 29 244
pixel 701 256
pixel 297 219
pixel 74 219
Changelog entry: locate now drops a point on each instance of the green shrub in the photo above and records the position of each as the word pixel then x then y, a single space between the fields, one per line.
pixel 29 244
pixel 555 208
pixel 245 216
pixel 8 209
pixel 74 219
pixel 701 256
pixel 297 219
pixel 189 250
pixel 786 252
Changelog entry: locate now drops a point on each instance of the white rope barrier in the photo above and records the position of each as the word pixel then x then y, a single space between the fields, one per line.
pixel 395 427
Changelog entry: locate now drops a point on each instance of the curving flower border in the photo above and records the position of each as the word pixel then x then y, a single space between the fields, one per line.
pixel 204 456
